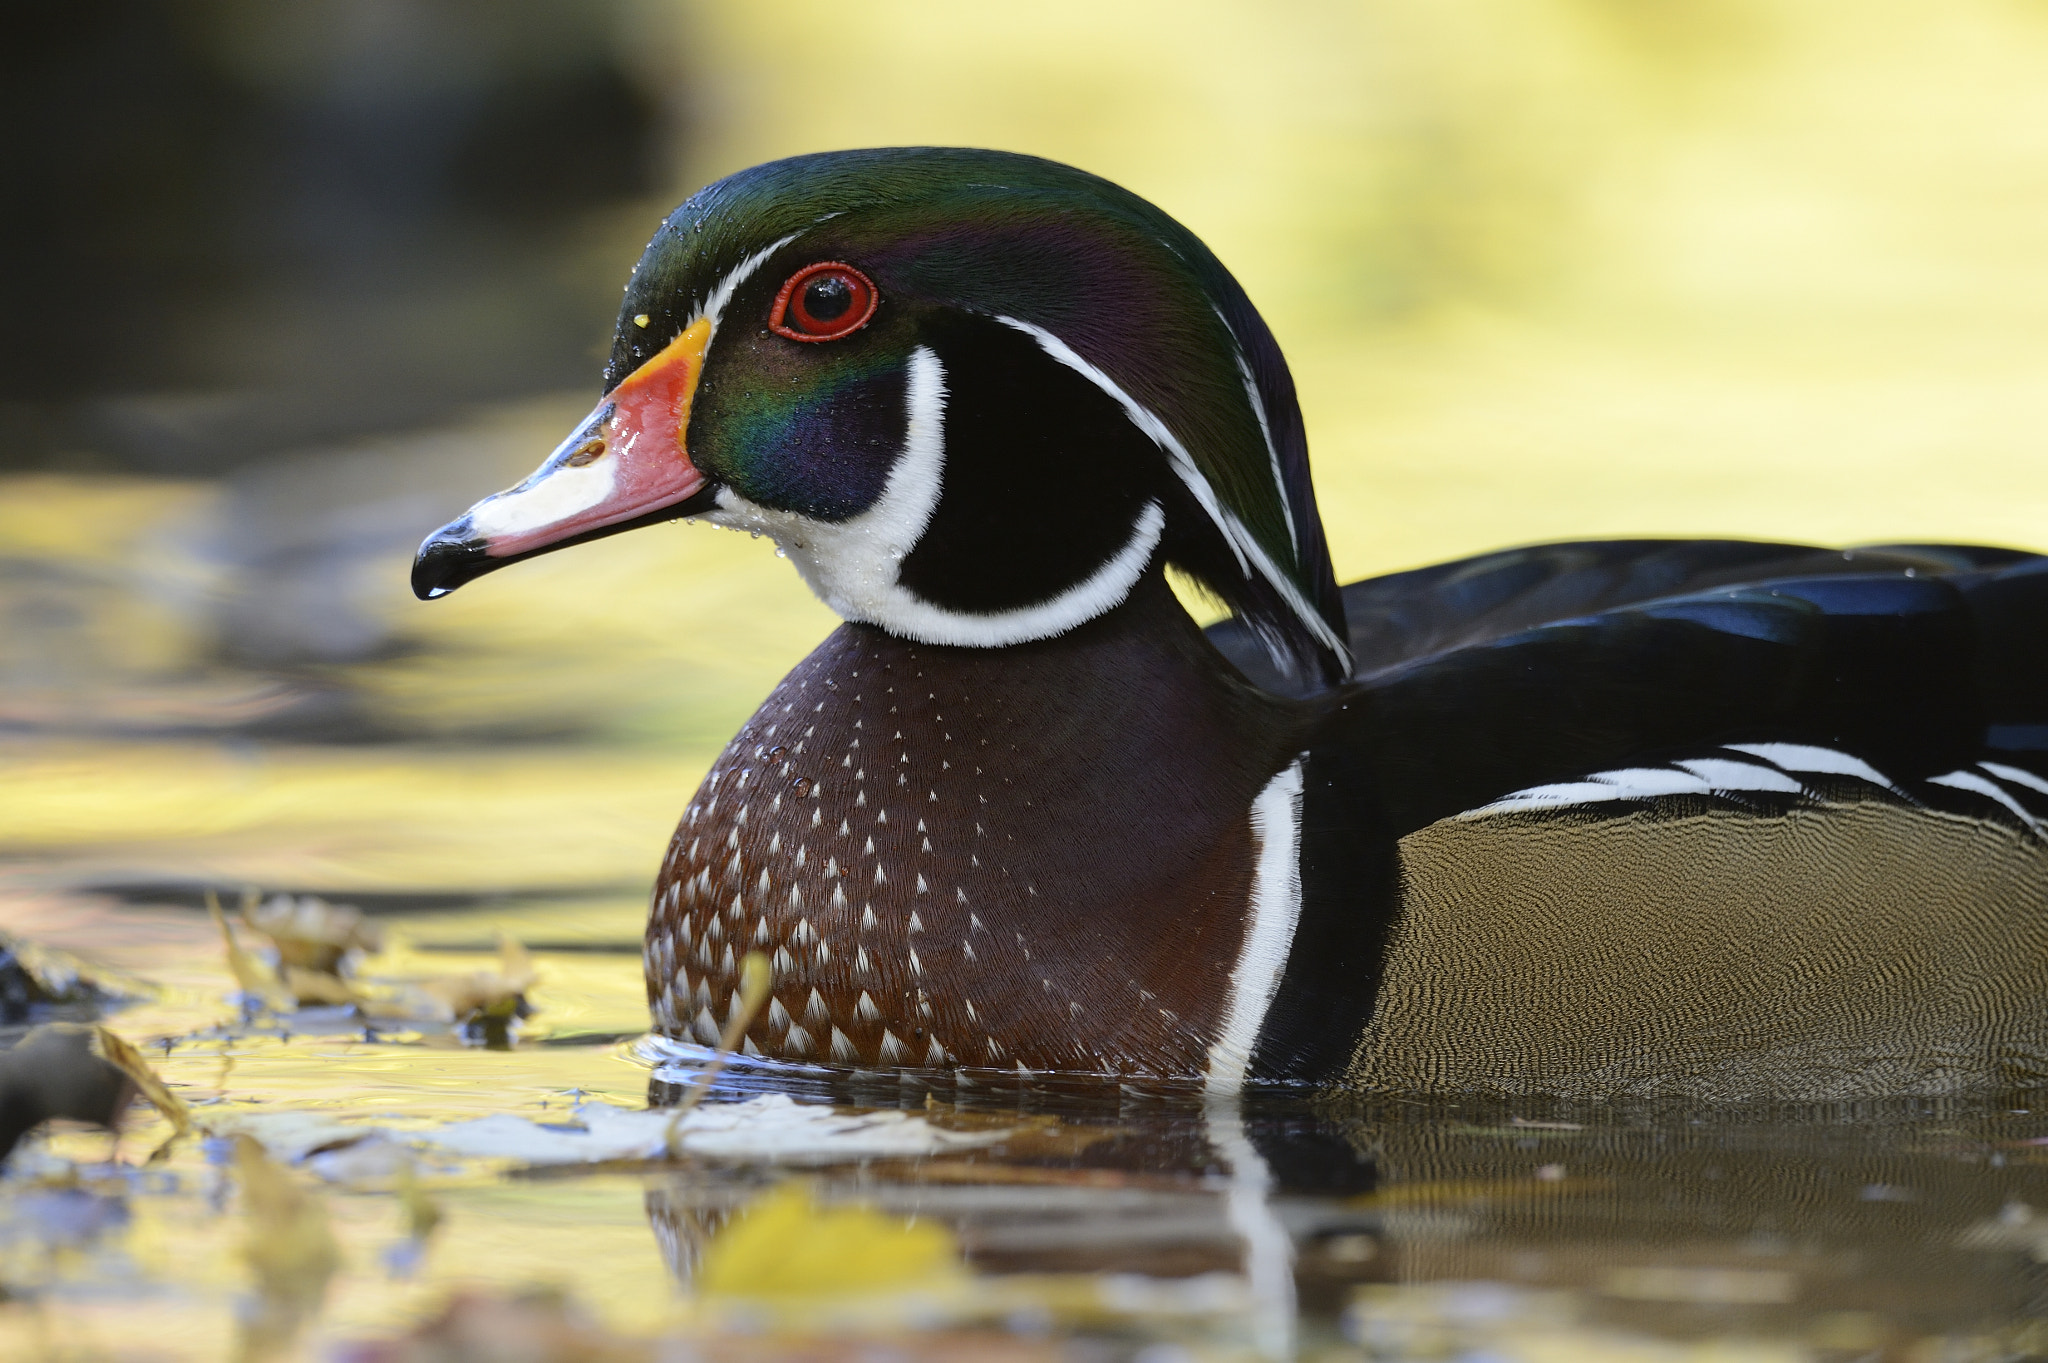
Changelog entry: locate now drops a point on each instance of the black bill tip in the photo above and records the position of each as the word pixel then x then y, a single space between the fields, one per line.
pixel 448 558
pixel 456 554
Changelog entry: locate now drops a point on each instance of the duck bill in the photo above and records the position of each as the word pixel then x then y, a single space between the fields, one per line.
pixel 624 466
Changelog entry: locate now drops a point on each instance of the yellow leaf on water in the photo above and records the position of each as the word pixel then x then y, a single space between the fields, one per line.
pixel 787 1246
pixel 125 1058
pixel 314 988
pixel 311 933
pixel 499 993
pixel 253 977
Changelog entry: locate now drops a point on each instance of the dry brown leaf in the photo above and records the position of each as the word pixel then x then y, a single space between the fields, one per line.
pixel 497 993
pixel 125 1058
pixel 312 934
pixel 255 979
pixel 312 988
pixel 485 1003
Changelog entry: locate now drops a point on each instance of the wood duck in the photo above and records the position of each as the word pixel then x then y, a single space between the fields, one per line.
pixel 1713 818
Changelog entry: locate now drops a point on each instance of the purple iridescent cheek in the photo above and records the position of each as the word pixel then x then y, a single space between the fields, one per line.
pixel 824 454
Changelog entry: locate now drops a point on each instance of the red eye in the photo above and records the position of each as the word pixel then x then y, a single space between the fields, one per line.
pixel 823 302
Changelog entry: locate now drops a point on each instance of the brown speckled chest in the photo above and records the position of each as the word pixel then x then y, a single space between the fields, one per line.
pixel 959 857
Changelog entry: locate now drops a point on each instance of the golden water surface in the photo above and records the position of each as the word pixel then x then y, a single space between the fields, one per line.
pixel 1544 268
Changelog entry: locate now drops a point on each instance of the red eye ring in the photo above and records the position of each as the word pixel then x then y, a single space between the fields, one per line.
pixel 796 310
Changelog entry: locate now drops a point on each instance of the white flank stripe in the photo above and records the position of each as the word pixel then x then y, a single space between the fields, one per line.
pixel 1642 783
pixel 1275 908
pixel 1549 797
pixel 1250 553
pixel 1804 757
pixel 1724 774
pixel 1977 785
pixel 2017 776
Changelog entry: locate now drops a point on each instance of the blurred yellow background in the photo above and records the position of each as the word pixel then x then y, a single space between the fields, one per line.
pixel 1544 269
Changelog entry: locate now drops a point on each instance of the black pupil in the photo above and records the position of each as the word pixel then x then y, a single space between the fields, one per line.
pixel 827 298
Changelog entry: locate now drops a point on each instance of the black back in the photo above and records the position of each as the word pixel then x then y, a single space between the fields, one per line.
pixel 1543 666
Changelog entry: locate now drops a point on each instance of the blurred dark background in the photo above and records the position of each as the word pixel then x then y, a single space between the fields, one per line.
pixel 234 228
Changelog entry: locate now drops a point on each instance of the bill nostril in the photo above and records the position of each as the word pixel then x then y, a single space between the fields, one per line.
pixel 588 452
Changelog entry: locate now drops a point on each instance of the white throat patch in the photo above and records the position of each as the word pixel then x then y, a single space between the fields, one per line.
pixel 854 565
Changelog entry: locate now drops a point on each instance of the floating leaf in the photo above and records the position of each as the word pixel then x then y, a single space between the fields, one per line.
pixel 485 1002
pixel 785 1245
pixel 255 979
pixel 33 978
pixel 311 988
pixel 773 1128
pixel 125 1058
pixel 311 934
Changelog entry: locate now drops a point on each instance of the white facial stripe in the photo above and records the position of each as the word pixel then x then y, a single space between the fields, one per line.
pixel 1990 790
pixel 2017 776
pixel 1243 544
pixel 544 500
pixel 853 565
pixel 1251 393
pixel 1275 909
pixel 1805 757
pixel 721 294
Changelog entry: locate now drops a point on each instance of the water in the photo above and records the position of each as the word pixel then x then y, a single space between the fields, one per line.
pixel 508 762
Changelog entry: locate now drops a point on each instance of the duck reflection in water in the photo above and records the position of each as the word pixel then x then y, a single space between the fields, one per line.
pixel 1458 1224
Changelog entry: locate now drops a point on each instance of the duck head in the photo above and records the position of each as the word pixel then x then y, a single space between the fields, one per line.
pixel 974 396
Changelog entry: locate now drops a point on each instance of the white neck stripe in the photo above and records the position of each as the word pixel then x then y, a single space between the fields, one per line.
pixel 853 565
pixel 1269 936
